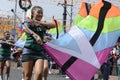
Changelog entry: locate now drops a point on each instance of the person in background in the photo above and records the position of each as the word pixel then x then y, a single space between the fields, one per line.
pixel 105 69
pixel 17 56
pixel 116 54
pixel 5 55
pixel 118 59
pixel 13 49
pixel 50 65
pixel 33 53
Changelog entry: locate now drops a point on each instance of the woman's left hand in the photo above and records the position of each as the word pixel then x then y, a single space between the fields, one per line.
pixel 47 38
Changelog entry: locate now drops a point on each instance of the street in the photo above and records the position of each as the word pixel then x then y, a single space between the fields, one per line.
pixel 16 74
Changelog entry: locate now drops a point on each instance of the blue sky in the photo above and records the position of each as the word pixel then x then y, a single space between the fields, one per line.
pixel 50 9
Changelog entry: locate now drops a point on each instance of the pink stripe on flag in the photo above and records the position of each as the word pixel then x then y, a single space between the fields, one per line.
pixel 78 70
pixel 81 70
pixel 103 55
pixel 58 56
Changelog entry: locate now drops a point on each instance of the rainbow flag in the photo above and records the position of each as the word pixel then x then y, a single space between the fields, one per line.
pixel 21 41
pixel 87 46
pixel 19 26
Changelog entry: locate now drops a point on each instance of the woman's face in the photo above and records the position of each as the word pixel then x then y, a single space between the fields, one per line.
pixel 38 14
pixel 7 35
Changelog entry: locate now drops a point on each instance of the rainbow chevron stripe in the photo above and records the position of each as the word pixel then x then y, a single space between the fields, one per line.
pixel 87 46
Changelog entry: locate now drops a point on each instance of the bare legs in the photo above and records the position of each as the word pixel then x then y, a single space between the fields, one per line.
pixel 38 69
pixel 45 70
pixel 7 72
pixel 8 64
pixel 1 69
pixel 28 68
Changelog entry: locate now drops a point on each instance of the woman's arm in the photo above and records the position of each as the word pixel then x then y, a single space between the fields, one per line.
pixel 44 23
pixel 2 42
pixel 10 42
pixel 29 31
pixel 49 24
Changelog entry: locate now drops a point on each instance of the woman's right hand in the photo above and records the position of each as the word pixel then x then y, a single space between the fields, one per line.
pixel 38 39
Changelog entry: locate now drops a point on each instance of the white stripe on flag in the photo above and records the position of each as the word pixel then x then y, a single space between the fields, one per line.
pixel 87 52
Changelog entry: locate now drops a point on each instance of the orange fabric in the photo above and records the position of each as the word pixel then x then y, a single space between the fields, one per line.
pixel 114 10
pixel 82 10
pixel 96 9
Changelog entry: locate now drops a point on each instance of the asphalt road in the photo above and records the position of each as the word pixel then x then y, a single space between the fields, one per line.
pixel 16 74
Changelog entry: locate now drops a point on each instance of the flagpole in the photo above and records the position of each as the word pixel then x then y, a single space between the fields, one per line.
pixel 14 33
pixel 64 15
pixel 71 12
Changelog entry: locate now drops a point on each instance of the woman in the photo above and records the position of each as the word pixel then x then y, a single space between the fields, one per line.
pixel 33 53
pixel 5 52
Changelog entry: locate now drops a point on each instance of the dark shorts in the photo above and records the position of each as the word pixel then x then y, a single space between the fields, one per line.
pixel 29 55
pixel 4 57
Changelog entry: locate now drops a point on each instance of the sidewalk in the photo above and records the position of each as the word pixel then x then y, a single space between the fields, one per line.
pixel 111 77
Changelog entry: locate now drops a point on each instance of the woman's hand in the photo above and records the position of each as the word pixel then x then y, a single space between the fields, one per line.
pixel 2 42
pixel 10 42
pixel 38 39
pixel 47 38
